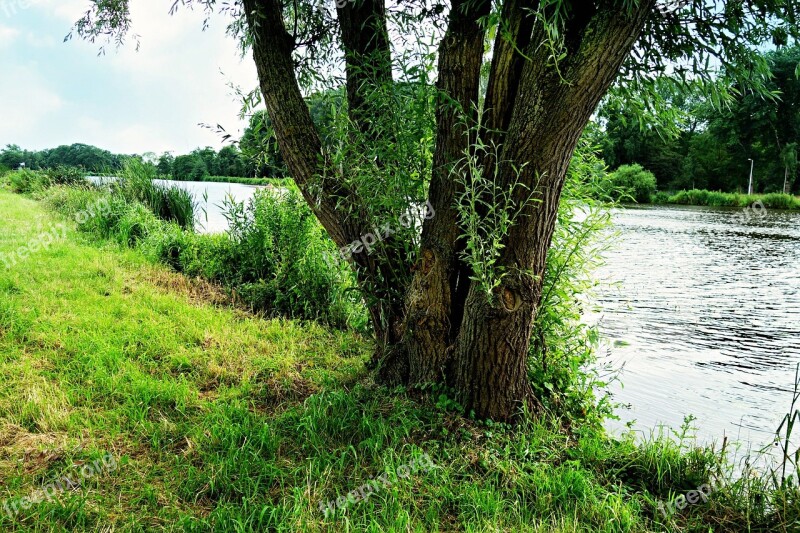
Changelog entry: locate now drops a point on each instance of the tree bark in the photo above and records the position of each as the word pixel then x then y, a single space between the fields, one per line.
pixel 434 304
pixel 491 352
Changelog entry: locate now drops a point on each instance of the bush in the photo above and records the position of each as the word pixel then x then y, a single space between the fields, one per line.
pixel 724 199
pixel 62 175
pixel 632 182
pixel 563 369
pixel 780 201
pixel 275 260
pixel 660 197
pixel 28 181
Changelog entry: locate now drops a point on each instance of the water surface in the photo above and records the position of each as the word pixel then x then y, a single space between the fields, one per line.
pixel 702 306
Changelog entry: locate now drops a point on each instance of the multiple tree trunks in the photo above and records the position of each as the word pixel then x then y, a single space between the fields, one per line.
pixel 447 330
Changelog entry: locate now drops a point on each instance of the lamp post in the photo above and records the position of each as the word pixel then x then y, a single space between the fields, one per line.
pixel 750 186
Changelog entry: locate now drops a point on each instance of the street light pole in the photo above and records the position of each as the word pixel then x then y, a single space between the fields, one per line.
pixel 750 186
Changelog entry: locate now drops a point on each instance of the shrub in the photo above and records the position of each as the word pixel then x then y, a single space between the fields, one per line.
pixel 28 181
pixel 563 369
pixel 780 201
pixel 275 259
pixel 724 199
pixel 632 182
pixel 62 175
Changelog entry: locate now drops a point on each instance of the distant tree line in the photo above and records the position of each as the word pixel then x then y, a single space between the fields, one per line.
pixel 716 142
pixel 83 156
pixel 255 155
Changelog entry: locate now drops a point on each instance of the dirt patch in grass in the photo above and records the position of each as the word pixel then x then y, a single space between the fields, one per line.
pixel 36 451
pixel 196 290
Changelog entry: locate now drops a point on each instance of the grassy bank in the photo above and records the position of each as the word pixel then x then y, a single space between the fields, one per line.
pixel 277 182
pixel 724 199
pixel 221 421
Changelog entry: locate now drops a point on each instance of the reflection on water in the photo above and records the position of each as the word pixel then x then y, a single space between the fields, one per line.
pixel 210 198
pixel 704 311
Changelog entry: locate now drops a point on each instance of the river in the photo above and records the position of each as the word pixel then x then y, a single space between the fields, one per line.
pixel 700 306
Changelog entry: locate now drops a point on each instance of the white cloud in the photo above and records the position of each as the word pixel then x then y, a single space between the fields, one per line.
pixel 26 102
pixel 7 35
pixel 128 101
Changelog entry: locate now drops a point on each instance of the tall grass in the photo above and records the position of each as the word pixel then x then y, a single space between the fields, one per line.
pixel 170 203
pixel 272 257
pixel 271 260
pixel 724 199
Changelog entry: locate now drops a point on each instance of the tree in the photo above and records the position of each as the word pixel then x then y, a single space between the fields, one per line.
pixel 189 167
pixel 208 156
pixel 458 306
pixel 713 144
pixel 260 148
pixel 165 162
pixel 229 162
pixel 12 156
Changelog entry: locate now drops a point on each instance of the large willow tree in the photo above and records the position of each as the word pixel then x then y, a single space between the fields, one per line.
pixel 516 82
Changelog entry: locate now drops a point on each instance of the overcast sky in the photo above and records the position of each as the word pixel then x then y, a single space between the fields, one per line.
pixel 54 92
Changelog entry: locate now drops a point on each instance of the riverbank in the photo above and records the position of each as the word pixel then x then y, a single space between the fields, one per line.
pixel 722 199
pixel 219 420
pixel 275 182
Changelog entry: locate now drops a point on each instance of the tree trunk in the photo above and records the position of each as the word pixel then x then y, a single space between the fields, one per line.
pixel 550 113
pixel 434 303
pixel 451 331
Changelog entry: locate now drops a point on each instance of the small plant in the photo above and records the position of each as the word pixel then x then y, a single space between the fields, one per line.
pixel 28 181
pixel 62 175
pixel 136 184
pixel 486 212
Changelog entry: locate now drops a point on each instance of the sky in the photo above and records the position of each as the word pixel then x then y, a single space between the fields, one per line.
pixel 54 92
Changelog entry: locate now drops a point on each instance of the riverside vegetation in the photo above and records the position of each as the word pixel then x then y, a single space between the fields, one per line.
pixel 227 374
pixel 632 183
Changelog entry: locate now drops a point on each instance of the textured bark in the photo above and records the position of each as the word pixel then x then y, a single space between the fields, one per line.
pixel 434 306
pixel 365 39
pixel 549 115
pixel 301 148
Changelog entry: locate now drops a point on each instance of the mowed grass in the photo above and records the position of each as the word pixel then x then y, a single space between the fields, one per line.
pixel 102 352
pixel 222 421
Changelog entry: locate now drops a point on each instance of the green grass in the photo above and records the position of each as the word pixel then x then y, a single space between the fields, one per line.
pixel 723 199
pixel 221 421
pixel 277 182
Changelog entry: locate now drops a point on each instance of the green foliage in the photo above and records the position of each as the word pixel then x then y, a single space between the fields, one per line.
pixel 563 362
pixel 632 183
pixel 62 175
pixel 85 157
pixel 28 181
pixel 231 415
pixel 271 259
pixel 710 145
pixel 486 214
pixel 170 203
pixel 274 259
pixel 722 199
pixel 189 168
